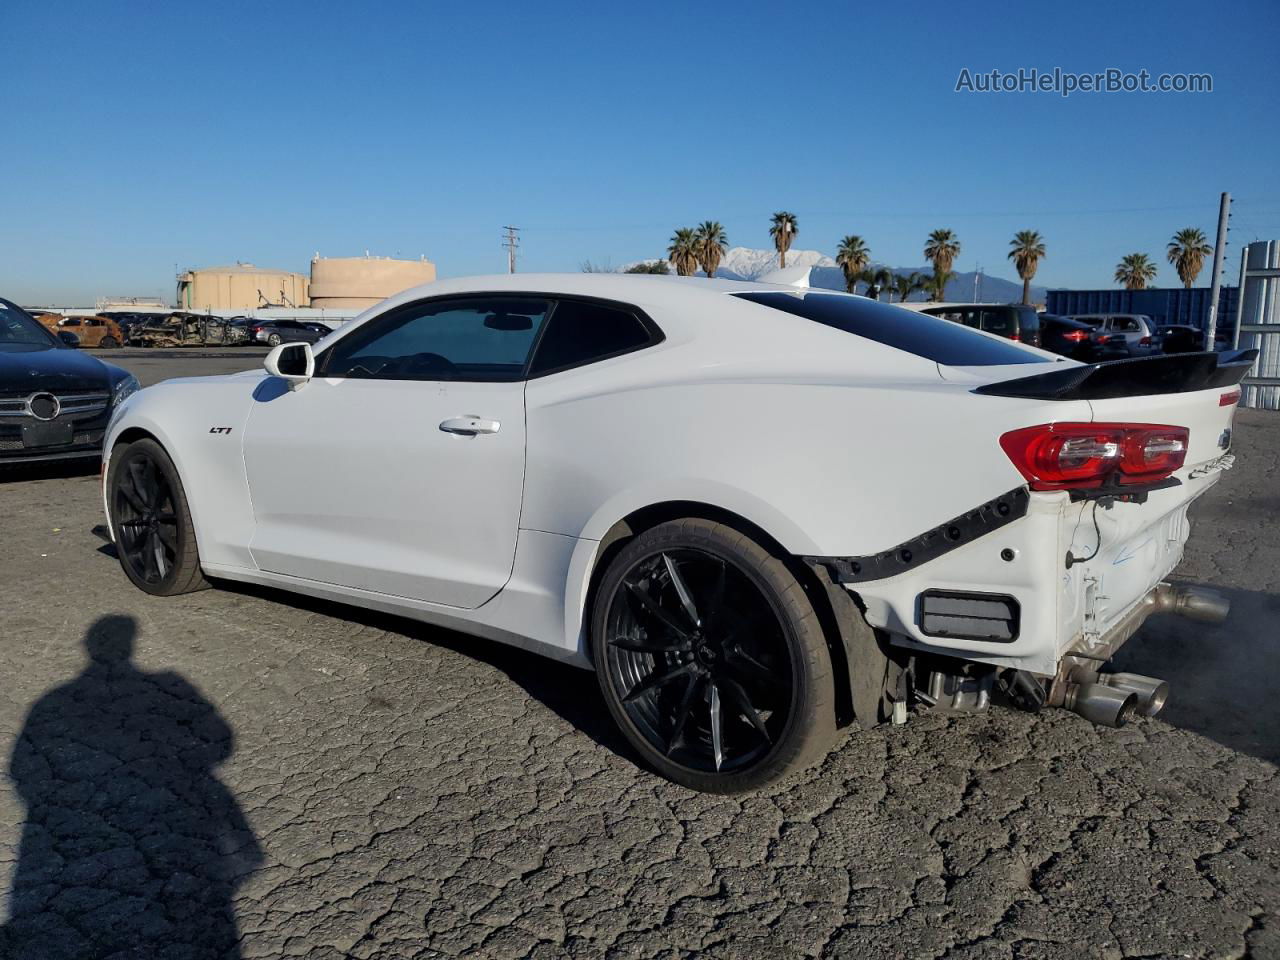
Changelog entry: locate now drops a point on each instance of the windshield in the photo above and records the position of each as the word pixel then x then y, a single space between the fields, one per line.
pixel 17 328
pixel 933 338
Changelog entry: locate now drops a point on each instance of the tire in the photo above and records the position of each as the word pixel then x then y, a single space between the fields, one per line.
pixel 108 343
pixel 275 340
pixel 669 680
pixel 155 539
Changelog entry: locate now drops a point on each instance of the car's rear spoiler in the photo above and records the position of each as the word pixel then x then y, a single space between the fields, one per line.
pixel 1173 373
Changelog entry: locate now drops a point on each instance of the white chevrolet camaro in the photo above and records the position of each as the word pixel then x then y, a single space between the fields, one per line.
pixel 758 512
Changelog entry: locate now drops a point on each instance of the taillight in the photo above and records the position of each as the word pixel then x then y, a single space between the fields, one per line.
pixel 1101 337
pixel 1014 336
pixel 1145 341
pixel 1227 399
pixel 1083 456
pixel 1075 336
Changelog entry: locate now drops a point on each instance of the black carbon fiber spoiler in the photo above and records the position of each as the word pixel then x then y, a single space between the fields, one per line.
pixel 1170 373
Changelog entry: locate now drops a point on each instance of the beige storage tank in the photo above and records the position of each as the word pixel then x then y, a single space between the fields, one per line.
pixel 364 281
pixel 240 287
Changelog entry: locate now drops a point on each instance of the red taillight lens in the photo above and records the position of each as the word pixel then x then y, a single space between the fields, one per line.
pixel 1101 337
pixel 1145 341
pixel 1075 336
pixel 1227 399
pixel 1015 336
pixel 1082 456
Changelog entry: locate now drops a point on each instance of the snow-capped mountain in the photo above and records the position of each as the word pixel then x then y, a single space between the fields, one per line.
pixel 746 263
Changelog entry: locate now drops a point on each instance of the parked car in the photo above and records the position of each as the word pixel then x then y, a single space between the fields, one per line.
pixel 276 332
pixel 1180 338
pixel 757 512
pixel 100 332
pixel 1120 335
pixel 1070 338
pixel 54 400
pixel 1014 321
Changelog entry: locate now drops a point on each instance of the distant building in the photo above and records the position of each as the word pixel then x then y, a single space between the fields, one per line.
pixel 1164 305
pixel 364 281
pixel 240 287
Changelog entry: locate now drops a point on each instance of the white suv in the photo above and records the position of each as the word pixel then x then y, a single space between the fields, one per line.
pixel 1121 334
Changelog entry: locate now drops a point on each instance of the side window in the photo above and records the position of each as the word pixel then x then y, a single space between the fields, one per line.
pixel 971 318
pixel 998 321
pixel 1127 324
pixel 486 339
pixel 580 332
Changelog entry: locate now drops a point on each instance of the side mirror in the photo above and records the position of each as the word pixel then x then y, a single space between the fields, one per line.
pixel 293 362
pixel 69 338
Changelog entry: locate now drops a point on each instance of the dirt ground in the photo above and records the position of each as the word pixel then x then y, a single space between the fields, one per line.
pixel 239 772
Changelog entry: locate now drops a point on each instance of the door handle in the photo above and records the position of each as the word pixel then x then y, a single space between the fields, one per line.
pixel 470 425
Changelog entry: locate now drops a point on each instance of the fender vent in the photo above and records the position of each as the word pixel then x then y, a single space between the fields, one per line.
pixel 992 617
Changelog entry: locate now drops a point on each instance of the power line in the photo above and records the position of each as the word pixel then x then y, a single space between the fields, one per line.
pixel 511 241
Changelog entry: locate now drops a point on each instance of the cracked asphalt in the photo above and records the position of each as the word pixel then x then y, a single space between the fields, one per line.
pixel 243 773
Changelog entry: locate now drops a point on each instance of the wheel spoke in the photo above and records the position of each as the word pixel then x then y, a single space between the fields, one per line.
pixel 157 551
pixel 734 691
pixel 683 712
pixel 651 607
pixel 644 646
pixel 711 606
pixel 131 495
pixel 682 591
pixel 168 537
pixel 656 680
pixel 752 667
pixel 717 731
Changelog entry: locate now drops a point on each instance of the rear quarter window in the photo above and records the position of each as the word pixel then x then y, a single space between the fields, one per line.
pixel 917 333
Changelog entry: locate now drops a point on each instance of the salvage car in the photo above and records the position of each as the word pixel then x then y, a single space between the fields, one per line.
pixel 54 400
pixel 101 332
pixel 758 512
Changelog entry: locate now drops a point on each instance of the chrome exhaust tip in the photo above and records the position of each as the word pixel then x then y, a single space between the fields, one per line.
pixel 1152 692
pixel 1194 603
pixel 1101 704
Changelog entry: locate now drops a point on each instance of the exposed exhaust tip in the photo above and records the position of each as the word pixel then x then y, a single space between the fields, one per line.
pixel 1101 704
pixel 1194 603
pixel 1152 692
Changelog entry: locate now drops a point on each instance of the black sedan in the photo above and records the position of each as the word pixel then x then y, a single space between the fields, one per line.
pixel 1180 338
pixel 276 332
pixel 54 400
pixel 1067 337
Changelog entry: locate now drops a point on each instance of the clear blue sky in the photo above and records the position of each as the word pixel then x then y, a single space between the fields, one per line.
pixel 141 136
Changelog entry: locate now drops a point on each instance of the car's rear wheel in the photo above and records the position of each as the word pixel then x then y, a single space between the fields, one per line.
pixel 711 658
pixel 108 343
pixel 155 539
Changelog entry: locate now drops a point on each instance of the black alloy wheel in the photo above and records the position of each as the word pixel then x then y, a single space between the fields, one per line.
pixel 155 540
pixel 711 658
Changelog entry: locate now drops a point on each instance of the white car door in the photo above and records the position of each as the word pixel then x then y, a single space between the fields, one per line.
pixel 399 468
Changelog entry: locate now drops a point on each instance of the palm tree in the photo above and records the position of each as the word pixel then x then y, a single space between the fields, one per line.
pixel 1187 251
pixel 1135 271
pixel 1027 252
pixel 783 231
pixel 935 285
pixel 852 257
pixel 876 279
pixel 942 250
pixel 907 284
pixel 711 244
pixel 683 252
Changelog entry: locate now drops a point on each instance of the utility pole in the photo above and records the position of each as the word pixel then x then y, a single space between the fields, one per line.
pixel 1219 254
pixel 512 242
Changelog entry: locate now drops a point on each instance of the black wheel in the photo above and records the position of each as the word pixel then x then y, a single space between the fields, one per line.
pixel 711 658
pixel 108 343
pixel 155 539
pixel 275 340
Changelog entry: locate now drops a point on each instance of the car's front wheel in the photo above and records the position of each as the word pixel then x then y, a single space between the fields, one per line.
pixel 155 538
pixel 108 343
pixel 711 658
pixel 275 340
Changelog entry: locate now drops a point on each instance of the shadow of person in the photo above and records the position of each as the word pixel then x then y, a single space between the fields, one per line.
pixel 131 845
